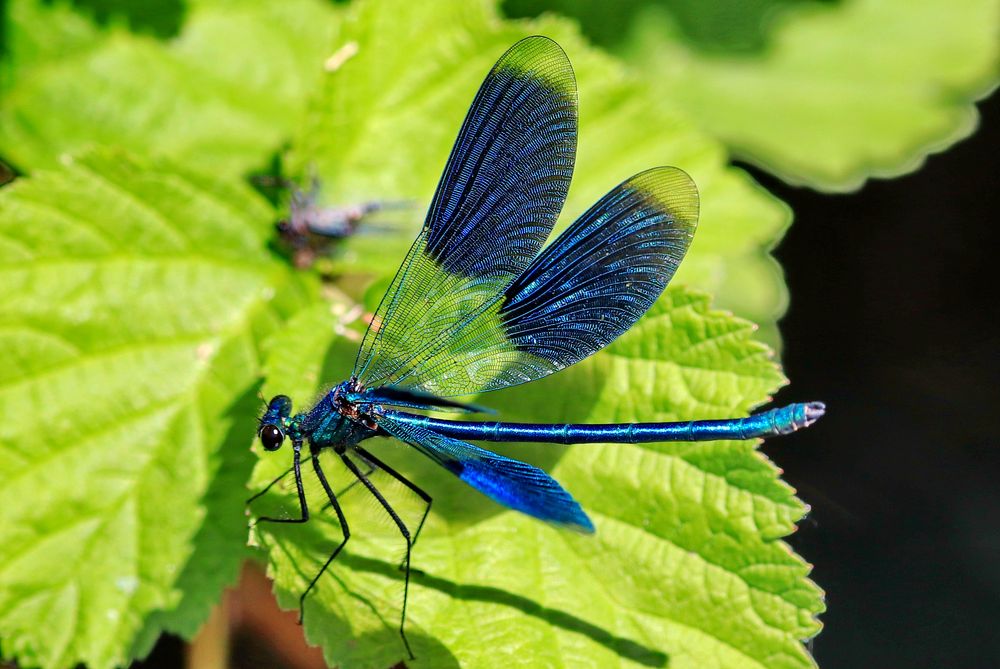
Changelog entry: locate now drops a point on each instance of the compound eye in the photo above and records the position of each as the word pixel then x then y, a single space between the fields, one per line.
pixel 271 437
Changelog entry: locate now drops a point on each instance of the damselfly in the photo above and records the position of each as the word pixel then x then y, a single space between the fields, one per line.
pixel 478 305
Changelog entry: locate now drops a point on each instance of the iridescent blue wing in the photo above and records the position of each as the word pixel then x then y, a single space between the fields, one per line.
pixel 514 484
pixel 500 194
pixel 583 291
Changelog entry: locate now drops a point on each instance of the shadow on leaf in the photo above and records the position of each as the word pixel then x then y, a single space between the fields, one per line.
pixel 220 544
pixel 621 646
pixel 311 534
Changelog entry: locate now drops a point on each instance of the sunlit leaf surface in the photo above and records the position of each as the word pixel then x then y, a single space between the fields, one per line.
pixel 223 95
pixel 134 296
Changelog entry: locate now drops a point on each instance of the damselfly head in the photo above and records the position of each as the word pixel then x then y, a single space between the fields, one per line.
pixel 274 421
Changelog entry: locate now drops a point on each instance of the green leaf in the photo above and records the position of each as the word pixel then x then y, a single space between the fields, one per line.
pixel 844 92
pixel 134 297
pixel 223 95
pixel 66 34
pixel 719 26
pixel 157 17
pixel 686 569
pixel 385 121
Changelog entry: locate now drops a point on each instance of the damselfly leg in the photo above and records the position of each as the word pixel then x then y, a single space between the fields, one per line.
pixel 402 530
pixel 270 485
pixel 303 505
pixel 281 477
pixel 343 526
pixel 375 462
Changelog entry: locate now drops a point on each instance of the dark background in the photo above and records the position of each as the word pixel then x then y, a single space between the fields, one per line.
pixel 893 322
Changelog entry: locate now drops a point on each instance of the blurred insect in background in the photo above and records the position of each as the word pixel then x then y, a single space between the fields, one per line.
pixel 478 305
pixel 312 228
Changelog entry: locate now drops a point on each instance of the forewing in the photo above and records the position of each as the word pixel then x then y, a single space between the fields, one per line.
pixel 583 291
pixel 501 192
pixel 514 484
